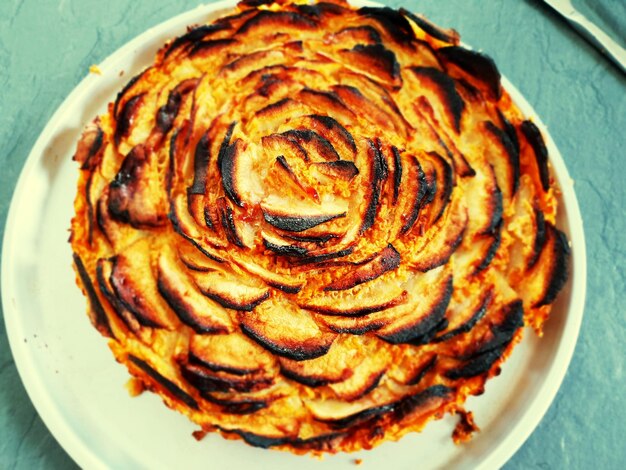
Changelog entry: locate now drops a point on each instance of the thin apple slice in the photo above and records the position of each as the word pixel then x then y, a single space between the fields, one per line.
pixel 440 175
pixel 384 292
pixel 353 35
pixel 96 311
pixel 428 298
pixel 291 216
pixel 333 367
pixel 163 383
pixel 342 140
pixel 326 103
pixel 354 99
pixel 284 21
pixel 135 285
pixel 197 259
pixel 377 171
pixel 317 147
pixel 342 414
pixel 479 68
pixel 386 260
pixel 534 137
pixel 297 223
pixel 504 157
pixel 291 284
pixel 208 381
pixel 351 325
pixel 283 247
pixel 437 245
pixel 104 268
pixel 182 295
pixel 440 90
pixel 90 146
pixel 232 353
pixel 413 191
pixel 547 276
pixel 247 63
pixel 481 353
pixel 137 194
pixel 275 114
pixel 373 361
pixel 375 61
pixel 286 330
pixel 484 201
pixel 341 169
pixel 124 119
pixel 228 161
pixel 463 313
pixel 446 35
pixel 231 290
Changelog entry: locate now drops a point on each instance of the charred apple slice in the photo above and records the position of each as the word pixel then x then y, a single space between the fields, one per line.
pixel 376 61
pixel 335 132
pixel 291 284
pixel 386 260
pixel 296 218
pixel 162 382
pixel 373 361
pixel 232 353
pixel 231 290
pixel 429 296
pixel 548 275
pixel 208 381
pixel 437 245
pixel 137 194
pixel 380 294
pixel 341 169
pixel 333 367
pixel 482 353
pixel 439 88
pixel 479 68
pixel 503 156
pixel 463 314
pixel 182 295
pixel 97 314
pixel 135 285
pixel 286 330
pixel 104 268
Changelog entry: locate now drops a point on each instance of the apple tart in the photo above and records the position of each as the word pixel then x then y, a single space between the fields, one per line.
pixel 316 227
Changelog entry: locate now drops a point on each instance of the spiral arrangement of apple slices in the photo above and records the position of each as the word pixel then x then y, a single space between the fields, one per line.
pixel 316 227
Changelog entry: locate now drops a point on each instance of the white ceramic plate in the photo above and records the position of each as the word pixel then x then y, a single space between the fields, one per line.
pixel 78 389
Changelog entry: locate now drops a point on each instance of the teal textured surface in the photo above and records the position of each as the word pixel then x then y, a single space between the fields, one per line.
pixel 46 48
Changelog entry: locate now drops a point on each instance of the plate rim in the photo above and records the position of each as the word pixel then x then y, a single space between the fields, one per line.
pixel 76 446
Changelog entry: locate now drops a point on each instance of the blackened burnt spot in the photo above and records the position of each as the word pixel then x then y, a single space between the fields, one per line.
pixel 450 36
pixel 535 139
pixel 100 319
pixel 452 100
pixel 394 23
pixel 125 118
pixel 194 36
pixel 170 386
pixel 480 66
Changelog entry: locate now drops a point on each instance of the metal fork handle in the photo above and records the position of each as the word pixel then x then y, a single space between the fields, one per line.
pixel 598 38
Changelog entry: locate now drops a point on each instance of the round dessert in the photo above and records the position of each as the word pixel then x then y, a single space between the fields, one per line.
pixel 316 227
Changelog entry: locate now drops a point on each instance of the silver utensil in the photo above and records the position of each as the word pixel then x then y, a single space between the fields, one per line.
pixel 591 32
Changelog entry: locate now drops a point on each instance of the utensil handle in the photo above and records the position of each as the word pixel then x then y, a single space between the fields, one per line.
pixel 599 38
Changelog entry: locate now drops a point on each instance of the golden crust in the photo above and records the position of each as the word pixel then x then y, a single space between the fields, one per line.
pixel 315 227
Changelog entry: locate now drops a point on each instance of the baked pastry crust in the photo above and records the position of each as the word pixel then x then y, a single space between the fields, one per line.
pixel 316 227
